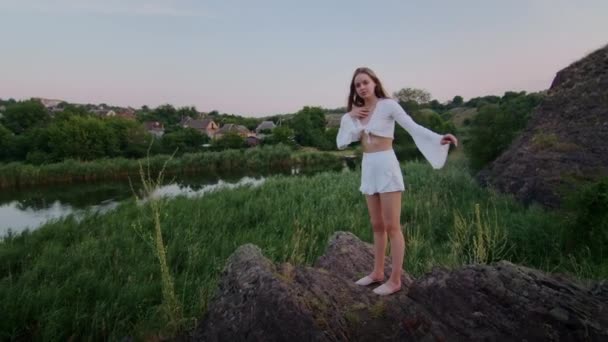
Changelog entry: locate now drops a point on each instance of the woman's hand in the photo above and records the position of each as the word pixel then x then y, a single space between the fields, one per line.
pixel 448 138
pixel 359 112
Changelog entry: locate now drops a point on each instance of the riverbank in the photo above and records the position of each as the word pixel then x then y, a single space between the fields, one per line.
pixel 275 158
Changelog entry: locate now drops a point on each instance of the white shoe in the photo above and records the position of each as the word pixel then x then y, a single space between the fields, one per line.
pixel 367 280
pixel 385 290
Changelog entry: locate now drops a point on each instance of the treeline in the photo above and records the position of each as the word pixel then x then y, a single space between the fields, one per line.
pixel 496 125
pixel 30 133
pixel 498 120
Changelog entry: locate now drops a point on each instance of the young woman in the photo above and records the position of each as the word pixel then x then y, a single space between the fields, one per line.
pixel 371 119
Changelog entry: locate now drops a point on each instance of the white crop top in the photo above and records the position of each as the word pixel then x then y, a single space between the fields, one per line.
pixel 382 124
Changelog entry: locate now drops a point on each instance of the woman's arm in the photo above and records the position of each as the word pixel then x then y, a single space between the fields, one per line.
pixel 349 132
pixel 431 144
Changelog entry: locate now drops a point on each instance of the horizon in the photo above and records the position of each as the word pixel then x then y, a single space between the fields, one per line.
pixel 269 58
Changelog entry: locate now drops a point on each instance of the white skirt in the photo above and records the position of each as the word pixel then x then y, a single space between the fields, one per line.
pixel 380 172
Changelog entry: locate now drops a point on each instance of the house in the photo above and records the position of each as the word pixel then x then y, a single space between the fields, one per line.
pixel 47 103
pixel 333 120
pixel 128 114
pixel 233 128
pixel 265 125
pixel 205 126
pixel 157 129
pixel 252 140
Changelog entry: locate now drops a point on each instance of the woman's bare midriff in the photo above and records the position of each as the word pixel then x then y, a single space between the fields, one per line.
pixel 375 143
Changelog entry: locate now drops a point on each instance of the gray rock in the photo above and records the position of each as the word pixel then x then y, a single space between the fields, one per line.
pixel 259 301
pixel 564 142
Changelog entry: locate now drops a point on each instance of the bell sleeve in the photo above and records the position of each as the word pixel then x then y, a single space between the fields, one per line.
pixel 349 132
pixel 427 141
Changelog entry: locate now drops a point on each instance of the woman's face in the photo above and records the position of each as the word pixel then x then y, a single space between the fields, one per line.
pixel 365 86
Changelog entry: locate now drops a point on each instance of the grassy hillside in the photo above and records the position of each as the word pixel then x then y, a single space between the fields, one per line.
pixel 99 277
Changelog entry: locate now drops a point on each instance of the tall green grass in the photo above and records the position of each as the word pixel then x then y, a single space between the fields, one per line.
pixel 263 158
pixel 97 279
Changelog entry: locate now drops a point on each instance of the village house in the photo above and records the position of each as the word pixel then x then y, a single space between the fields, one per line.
pixel 205 126
pixel 233 128
pixel 51 105
pixel 252 140
pixel 265 125
pixel 128 114
pixel 47 103
pixel 157 129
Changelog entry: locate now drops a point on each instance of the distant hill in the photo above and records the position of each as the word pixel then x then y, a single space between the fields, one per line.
pixel 460 114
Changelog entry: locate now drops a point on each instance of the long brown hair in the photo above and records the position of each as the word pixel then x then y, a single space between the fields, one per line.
pixel 354 98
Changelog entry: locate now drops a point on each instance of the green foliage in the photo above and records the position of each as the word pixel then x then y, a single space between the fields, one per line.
pixel 404 146
pixel 587 230
pixel 21 116
pixel 95 279
pixel 83 138
pixel 496 125
pixel 280 135
pixel 70 110
pixel 168 115
pixel 330 138
pixel 184 141
pixel 133 139
pixel 6 138
pixel 478 102
pixel 412 94
pixel 436 106
pixel 309 127
pixel 223 119
pixel 229 140
pixel 276 158
pixel 457 100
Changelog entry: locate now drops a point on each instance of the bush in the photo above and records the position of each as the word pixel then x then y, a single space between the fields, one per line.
pixel 496 125
pixel 587 230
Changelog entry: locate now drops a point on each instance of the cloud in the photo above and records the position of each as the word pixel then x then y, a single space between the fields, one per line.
pixel 164 8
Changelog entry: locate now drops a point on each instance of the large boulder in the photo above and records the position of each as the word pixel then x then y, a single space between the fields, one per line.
pixel 260 301
pixel 564 142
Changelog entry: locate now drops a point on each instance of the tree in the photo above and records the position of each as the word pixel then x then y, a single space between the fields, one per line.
pixel 436 106
pixel 167 114
pixel 5 142
pixel 330 139
pixel 21 116
pixel 281 134
pixel 457 100
pixel 70 110
pixel 496 125
pixel 230 140
pixel 223 119
pixel 309 127
pixel 83 138
pixel 184 140
pixel 187 111
pixel 133 139
pixel 412 94
pixel 478 102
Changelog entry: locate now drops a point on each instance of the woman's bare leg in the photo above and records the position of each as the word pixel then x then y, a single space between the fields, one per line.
pixel 390 203
pixel 375 215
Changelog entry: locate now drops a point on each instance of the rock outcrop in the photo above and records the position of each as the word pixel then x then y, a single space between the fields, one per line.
pixel 260 301
pixel 564 142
